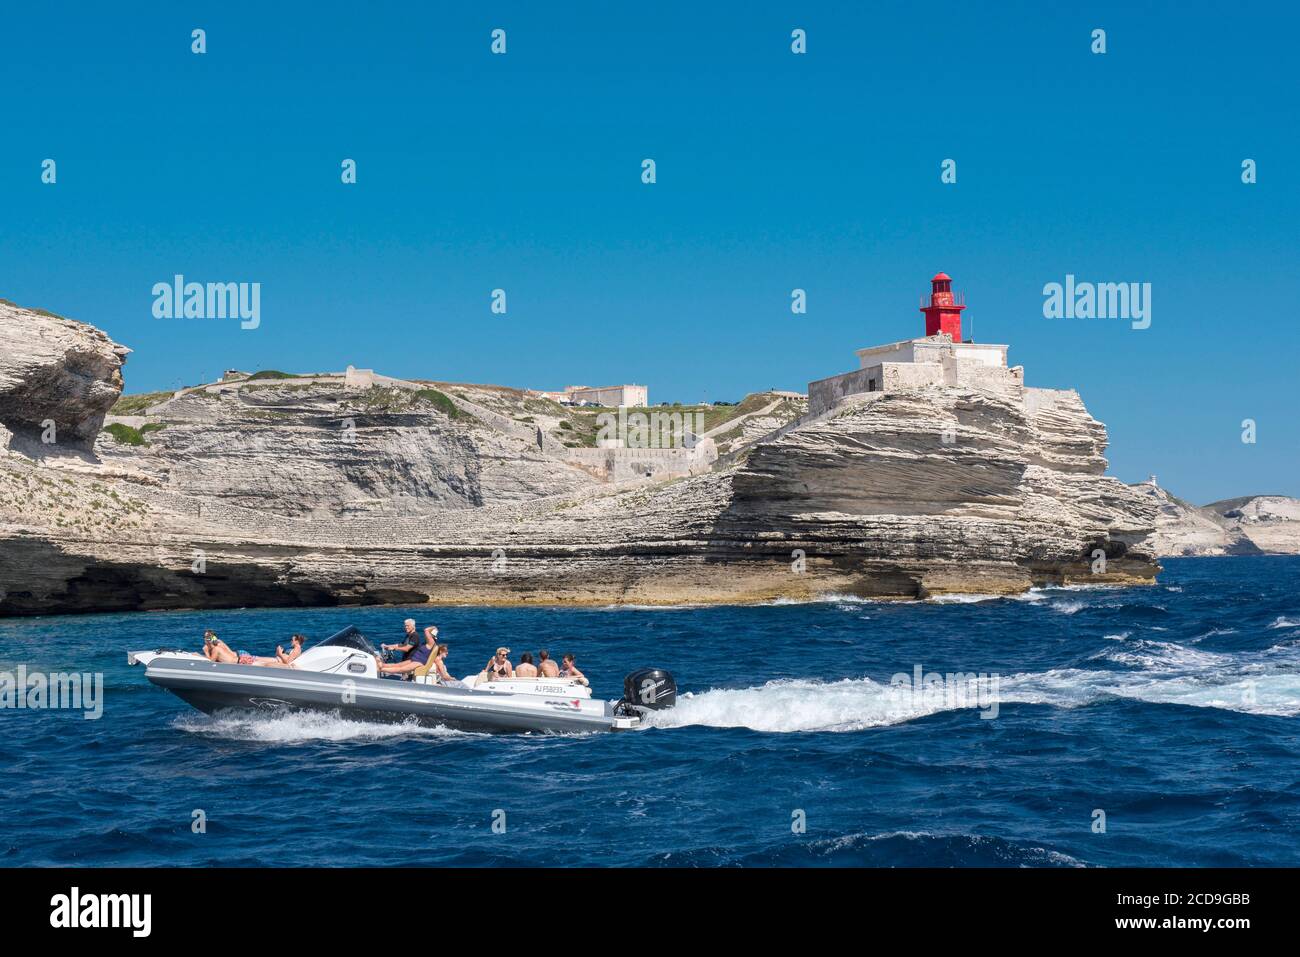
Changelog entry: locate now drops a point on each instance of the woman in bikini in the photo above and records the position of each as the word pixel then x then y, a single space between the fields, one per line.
pixel 499 665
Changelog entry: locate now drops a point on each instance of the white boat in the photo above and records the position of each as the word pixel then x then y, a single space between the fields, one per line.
pixel 339 674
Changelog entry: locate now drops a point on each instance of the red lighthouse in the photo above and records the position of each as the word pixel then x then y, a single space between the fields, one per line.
pixel 943 314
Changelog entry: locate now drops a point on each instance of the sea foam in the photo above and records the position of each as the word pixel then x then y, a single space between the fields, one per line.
pixel 1156 673
pixel 302 727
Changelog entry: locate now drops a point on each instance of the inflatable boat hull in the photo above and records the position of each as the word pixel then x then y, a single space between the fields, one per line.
pixel 212 687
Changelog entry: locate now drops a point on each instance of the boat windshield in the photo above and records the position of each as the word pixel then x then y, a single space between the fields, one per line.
pixel 349 637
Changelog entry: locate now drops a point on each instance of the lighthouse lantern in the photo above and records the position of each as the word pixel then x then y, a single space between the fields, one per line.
pixel 943 314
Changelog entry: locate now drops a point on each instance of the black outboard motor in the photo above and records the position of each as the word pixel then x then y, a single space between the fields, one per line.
pixel 649 689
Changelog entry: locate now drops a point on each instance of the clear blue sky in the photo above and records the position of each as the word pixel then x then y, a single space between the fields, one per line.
pixel 775 171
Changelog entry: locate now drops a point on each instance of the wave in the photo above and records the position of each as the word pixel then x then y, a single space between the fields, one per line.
pixel 935 850
pixel 1275 695
pixel 302 727
pixel 790 705
pixel 1161 673
pixel 1165 656
pixel 1067 607
pixel 1215 632
pixel 1034 594
pixel 685 606
pixel 833 598
pixel 1281 622
pixel 1081 586
pixel 886 849
pixel 829 598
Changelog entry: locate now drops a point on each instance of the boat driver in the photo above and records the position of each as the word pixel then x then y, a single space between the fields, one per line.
pixel 409 643
pixel 417 659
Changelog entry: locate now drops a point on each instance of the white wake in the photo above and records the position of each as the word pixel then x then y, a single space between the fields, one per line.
pixel 1155 672
pixel 301 727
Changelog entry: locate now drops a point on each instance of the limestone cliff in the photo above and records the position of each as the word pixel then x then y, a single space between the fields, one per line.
pixel 943 489
pixel 296 492
pixel 58 378
pixel 300 448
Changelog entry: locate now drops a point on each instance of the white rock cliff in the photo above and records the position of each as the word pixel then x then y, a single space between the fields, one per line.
pixel 289 492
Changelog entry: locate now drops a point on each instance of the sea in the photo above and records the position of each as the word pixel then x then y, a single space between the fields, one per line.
pixel 1066 727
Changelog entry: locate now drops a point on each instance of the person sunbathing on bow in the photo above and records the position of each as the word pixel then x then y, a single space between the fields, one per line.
pixel 285 659
pixel 214 649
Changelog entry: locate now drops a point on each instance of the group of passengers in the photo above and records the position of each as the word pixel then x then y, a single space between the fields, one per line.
pixel 419 658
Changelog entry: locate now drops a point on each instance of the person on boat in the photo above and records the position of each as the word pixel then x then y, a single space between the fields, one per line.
pixel 409 642
pixel 282 658
pixel 546 665
pixel 499 665
pixel 437 666
pixel 570 670
pixel 214 649
pixel 526 667
pixel 419 658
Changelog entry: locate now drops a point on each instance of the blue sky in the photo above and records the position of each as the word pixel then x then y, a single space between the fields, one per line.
pixel 775 172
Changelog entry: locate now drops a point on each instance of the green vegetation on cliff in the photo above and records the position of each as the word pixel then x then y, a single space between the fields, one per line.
pixel 379 399
pixel 132 436
pixel 136 404
pixel 442 402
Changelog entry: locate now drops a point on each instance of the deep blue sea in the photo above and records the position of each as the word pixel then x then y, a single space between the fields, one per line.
pixel 1171 710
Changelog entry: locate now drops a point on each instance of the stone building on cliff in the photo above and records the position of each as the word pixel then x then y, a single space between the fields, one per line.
pixel 941 357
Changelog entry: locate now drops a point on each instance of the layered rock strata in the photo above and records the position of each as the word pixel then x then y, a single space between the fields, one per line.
pixel 302 494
